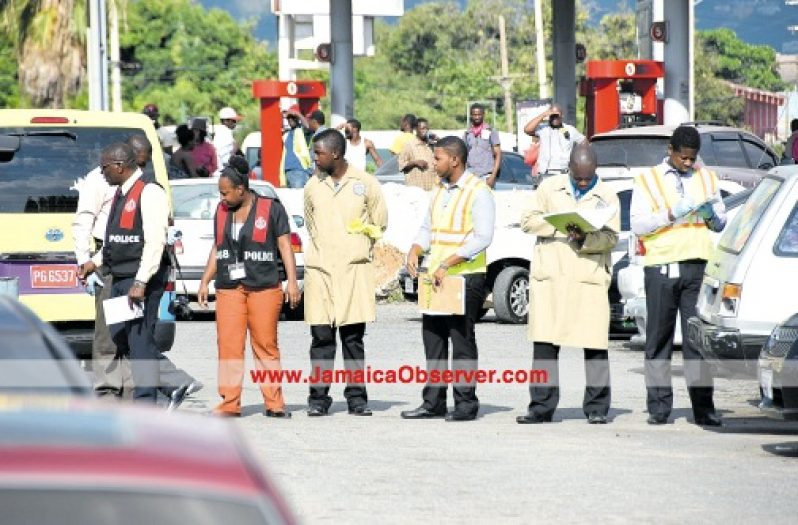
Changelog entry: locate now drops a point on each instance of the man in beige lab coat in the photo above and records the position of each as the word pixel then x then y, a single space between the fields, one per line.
pixel 569 279
pixel 345 213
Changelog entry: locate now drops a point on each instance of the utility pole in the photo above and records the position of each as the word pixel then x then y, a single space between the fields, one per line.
pixel 116 75
pixel 342 75
pixel 505 80
pixel 540 50
pixel 97 56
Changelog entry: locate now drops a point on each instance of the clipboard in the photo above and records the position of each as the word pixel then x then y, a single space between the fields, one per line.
pixel 446 299
pixel 587 220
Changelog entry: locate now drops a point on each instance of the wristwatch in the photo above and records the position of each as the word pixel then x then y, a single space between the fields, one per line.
pixel 139 284
pixel 443 266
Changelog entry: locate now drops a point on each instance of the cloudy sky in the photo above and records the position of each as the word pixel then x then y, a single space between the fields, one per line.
pixel 755 21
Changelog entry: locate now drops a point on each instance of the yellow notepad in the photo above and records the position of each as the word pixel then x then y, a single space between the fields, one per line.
pixel 446 299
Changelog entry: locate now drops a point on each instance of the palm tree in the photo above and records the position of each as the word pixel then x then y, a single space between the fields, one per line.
pixel 50 41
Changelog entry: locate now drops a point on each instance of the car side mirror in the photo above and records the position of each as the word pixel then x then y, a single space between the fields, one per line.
pixel 765 166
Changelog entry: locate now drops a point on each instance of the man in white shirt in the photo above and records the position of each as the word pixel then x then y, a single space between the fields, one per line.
pixel 223 140
pixel 557 139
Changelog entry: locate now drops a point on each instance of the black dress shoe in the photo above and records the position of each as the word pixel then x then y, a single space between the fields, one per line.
pixel 281 413
pixel 421 413
pixel 361 410
pixel 459 416
pixel 656 419
pixel 316 411
pixel 597 419
pixel 709 420
pixel 530 419
pixel 177 397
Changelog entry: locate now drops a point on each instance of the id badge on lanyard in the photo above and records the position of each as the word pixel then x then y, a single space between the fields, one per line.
pixel 237 271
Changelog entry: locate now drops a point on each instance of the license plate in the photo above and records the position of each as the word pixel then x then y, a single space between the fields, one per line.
pixel 766 382
pixel 53 276
pixel 409 288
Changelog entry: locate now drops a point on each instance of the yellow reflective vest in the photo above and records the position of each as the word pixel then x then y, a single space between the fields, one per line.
pixel 453 226
pixel 300 150
pixel 687 238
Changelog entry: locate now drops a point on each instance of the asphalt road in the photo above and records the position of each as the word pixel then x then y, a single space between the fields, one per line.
pixel 343 468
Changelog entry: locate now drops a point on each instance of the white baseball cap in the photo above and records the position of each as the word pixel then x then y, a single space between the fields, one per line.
pixel 229 114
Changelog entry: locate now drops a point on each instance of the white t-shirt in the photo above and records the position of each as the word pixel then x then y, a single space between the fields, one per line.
pixel 356 154
pixel 224 142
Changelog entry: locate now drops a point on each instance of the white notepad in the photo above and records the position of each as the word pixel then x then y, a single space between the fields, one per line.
pixel 118 310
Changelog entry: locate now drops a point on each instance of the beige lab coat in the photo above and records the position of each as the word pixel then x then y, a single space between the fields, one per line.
pixel 339 274
pixel 568 284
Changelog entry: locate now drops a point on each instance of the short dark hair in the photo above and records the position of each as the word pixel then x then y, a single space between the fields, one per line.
pixel 139 142
pixel 236 171
pixel 685 137
pixel 332 140
pixel 355 123
pixel 794 124
pixel 184 135
pixel 120 152
pixel 476 105
pixel 455 146
pixel 420 120
pixel 411 119
pixel 318 116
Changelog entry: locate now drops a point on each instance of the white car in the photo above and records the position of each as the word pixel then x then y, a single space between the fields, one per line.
pixel 194 202
pixel 631 281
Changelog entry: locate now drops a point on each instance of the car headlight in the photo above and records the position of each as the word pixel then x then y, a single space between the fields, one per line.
pixel 782 338
pixel 730 299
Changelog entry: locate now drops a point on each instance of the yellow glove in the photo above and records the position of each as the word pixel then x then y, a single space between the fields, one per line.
pixel 358 226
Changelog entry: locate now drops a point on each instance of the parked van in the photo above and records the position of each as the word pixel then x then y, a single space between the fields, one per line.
pixel 44 157
pixel 749 285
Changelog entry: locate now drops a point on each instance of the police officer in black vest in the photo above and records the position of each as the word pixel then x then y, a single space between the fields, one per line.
pixel 252 238
pixel 133 251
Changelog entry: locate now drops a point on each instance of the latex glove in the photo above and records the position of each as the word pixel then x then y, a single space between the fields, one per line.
pixel 92 282
pixel 172 235
pixel 683 207
pixel 705 211
pixel 358 226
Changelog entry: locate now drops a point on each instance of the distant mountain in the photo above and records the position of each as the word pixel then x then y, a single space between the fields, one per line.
pixel 754 21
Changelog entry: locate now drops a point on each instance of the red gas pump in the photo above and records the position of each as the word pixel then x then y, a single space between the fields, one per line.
pixel 621 93
pixel 307 92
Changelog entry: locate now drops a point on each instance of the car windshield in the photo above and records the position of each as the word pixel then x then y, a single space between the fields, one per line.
pixel 739 230
pixel 630 151
pixel 199 201
pixel 99 507
pixel 45 173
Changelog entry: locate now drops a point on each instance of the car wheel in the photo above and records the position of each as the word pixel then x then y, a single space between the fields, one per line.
pixel 511 295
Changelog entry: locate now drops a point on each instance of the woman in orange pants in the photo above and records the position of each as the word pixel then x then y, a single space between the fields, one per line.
pixel 251 233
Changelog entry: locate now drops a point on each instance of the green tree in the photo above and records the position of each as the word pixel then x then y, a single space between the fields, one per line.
pixel 738 61
pixel 48 38
pixel 9 83
pixel 193 61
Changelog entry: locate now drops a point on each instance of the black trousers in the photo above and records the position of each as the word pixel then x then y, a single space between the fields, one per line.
pixel 666 295
pixel 136 339
pixel 543 399
pixel 322 357
pixel 436 332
